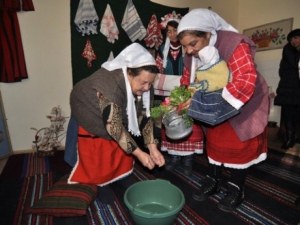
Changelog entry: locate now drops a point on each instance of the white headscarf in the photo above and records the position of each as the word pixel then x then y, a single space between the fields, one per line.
pixel 209 55
pixel 133 56
pixel 165 51
pixel 204 20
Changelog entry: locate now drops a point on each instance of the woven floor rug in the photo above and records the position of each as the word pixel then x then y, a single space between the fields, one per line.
pixel 271 189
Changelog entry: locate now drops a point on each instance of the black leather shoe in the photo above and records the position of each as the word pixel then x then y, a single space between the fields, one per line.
pixel 288 144
pixel 209 186
pixel 232 199
pixel 290 140
pixel 187 165
pixel 172 162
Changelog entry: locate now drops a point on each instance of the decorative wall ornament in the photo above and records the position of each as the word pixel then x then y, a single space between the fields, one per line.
pixel 271 35
pixel 154 37
pixel 86 18
pixel 88 53
pixel 144 9
pixel 132 23
pixel 108 26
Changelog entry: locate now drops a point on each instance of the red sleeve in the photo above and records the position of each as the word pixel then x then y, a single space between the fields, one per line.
pixel 244 74
pixel 185 78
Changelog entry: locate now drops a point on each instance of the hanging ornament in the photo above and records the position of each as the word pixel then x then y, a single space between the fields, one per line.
pixel 86 18
pixel 109 27
pixel 154 37
pixel 88 53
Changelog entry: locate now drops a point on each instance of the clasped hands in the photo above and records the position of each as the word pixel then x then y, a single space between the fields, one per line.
pixel 152 159
pixel 155 158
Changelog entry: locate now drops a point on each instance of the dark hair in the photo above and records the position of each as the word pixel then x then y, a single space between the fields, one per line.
pixel 191 32
pixel 292 34
pixel 172 23
pixel 136 71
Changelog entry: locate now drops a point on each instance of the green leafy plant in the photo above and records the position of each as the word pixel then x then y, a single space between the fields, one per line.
pixel 178 96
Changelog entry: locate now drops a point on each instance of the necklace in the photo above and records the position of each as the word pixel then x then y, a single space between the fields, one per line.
pixel 175 45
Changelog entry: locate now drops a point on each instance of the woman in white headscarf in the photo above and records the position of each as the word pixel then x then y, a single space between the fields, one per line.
pixel 240 141
pixel 108 106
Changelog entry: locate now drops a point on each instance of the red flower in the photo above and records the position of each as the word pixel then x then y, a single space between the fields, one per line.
pixel 166 102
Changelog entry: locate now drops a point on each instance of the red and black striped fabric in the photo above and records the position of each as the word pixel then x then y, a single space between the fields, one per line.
pixel 271 190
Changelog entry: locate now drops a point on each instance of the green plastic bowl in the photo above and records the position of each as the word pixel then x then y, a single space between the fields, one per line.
pixel 154 202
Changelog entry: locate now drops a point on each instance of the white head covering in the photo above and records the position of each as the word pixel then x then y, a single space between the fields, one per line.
pixel 209 55
pixel 204 20
pixel 165 51
pixel 133 56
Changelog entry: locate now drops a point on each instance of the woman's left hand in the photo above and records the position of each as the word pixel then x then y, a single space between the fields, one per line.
pixel 184 105
pixel 156 155
pixel 144 158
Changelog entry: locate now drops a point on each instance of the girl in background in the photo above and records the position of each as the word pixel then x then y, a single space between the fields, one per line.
pixel 169 60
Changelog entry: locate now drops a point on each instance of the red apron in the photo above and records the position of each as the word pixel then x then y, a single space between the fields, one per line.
pixel 100 161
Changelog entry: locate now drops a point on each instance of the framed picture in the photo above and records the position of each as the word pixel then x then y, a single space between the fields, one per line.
pixel 270 35
pixel 5 144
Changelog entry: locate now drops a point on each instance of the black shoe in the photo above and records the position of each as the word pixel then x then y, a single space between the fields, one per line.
pixel 233 198
pixel 173 161
pixel 290 140
pixel 208 187
pixel 288 144
pixel 187 165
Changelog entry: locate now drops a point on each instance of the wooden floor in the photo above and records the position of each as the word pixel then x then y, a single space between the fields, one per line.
pixel 274 143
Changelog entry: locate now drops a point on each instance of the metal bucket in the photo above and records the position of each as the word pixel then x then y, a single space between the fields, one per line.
pixel 175 126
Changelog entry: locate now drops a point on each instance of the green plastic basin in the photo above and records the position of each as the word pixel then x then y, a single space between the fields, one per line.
pixel 154 202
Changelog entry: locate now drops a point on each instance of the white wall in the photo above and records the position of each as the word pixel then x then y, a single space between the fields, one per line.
pixel 46 42
pixel 47 46
pixel 255 13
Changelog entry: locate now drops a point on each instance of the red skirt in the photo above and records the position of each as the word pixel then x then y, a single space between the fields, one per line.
pixel 186 146
pixel 223 146
pixel 100 161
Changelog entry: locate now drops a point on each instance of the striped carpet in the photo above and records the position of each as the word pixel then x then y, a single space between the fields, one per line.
pixel 271 190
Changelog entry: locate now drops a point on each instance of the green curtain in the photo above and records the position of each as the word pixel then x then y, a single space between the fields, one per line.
pixel 101 46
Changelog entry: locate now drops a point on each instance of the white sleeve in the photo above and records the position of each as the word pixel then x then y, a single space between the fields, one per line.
pixel 165 83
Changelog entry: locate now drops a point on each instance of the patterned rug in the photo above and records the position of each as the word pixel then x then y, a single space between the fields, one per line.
pixel 271 190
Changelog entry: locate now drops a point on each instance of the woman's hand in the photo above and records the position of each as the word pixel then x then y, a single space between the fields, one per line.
pixel 144 158
pixel 184 105
pixel 156 155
